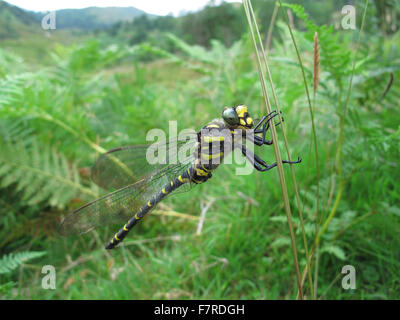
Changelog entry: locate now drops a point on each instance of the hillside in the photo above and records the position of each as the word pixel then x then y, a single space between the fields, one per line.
pixel 14 21
pixel 21 33
pixel 21 29
pixel 92 17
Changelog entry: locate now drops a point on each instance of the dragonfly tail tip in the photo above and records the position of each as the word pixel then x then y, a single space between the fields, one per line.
pixel 109 246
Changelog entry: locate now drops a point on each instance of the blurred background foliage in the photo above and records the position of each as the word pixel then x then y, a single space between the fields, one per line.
pixel 67 93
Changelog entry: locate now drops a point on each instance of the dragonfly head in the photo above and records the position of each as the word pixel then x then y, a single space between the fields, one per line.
pixel 237 117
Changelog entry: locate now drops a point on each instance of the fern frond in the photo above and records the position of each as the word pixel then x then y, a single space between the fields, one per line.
pixel 334 250
pixel 40 174
pixel 12 89
pixel 12 261
pixel 150 49
pixel 195 52
pixel 336 58
pixel 11 128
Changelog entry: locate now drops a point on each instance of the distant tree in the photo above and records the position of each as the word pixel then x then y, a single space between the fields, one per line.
pixel 387 13
pixel 225 22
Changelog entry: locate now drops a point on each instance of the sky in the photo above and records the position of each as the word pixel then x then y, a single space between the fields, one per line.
pixel 160 7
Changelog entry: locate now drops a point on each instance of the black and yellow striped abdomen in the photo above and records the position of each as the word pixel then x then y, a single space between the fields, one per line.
pixel 167 189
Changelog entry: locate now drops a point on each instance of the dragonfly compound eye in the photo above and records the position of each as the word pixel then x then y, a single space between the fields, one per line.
pixel 230 116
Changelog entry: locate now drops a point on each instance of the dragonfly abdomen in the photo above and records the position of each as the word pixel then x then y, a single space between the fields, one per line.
pixel 186 177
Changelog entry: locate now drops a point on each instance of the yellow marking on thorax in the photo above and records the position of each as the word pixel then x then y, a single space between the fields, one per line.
pixel 241 110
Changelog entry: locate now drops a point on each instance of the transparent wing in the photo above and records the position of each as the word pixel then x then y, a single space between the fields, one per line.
pixel 126 165
pixel 121 205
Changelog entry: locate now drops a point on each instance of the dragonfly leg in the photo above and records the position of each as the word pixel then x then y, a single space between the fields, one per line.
pixel 263 119
pixel 268 167
pixel 266 124
pixel 259 141
pixel 267 117
pixel 259 164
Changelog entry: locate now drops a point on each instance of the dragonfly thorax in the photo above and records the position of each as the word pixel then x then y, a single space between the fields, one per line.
pixel 215 141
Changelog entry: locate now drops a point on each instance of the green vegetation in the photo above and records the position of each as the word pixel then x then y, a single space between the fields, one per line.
pixel 59 110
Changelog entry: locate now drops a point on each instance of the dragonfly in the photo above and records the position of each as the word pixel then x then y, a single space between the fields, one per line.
pixel 139 186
